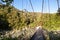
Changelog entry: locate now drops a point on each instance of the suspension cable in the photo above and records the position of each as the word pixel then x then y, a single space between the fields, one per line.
pixel 42 13
pixel 49 12
pixel 31 5
pixel 48 6
pixel 22 5
pixel 58 7
pixel 42 5
pixel 58 3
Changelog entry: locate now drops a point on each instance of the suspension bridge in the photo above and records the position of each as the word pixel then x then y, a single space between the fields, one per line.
pixel 38 35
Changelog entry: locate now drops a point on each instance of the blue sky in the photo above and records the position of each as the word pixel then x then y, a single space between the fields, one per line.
pixel 37 5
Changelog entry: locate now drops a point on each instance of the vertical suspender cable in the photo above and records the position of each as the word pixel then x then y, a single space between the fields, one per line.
pixel 42 5
pixel 32 9
pixel 26 5
pixel 58 3
pixel 31 5
pixel 58 7
pixel 48 6
pixel 49 12
pixel 42 13
pixel 22 5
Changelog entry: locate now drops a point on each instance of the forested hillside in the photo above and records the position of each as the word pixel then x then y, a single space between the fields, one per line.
pixel 15 18
pixel 12 18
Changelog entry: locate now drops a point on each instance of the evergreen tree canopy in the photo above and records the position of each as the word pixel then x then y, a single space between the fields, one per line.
pixel 8 2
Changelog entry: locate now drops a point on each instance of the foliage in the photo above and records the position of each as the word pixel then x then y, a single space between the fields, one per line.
pixel 8 2
pixel 19 19
pixel 15 18
pixel 52 22
pixel 12 18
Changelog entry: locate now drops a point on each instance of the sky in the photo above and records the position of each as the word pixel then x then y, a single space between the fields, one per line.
pixel 37 5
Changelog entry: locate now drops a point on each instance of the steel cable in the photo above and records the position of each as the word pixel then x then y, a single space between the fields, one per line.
pixel 58 3
pixel 31 5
